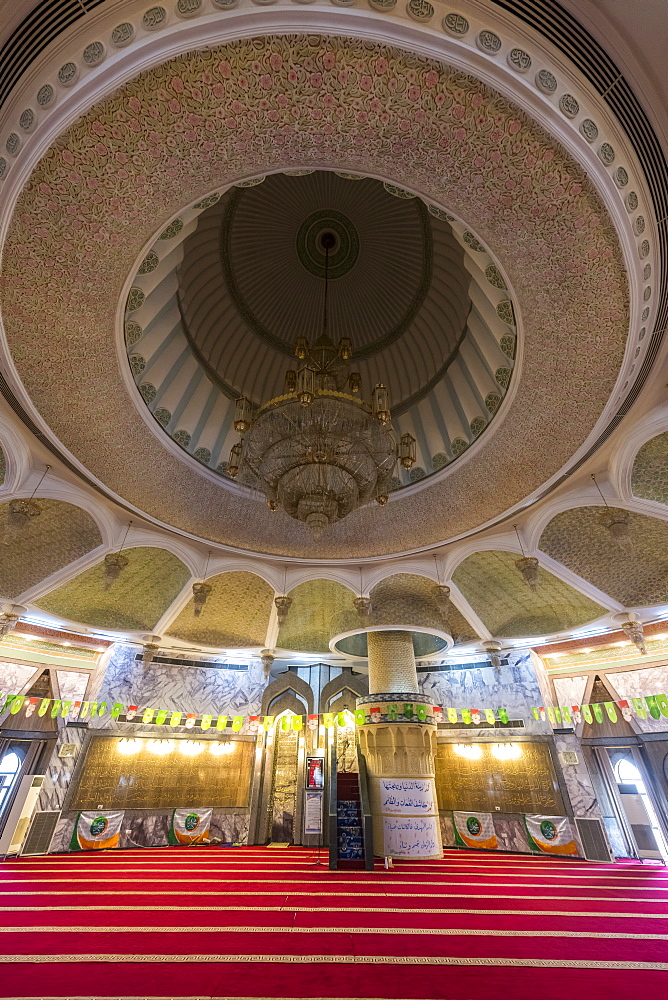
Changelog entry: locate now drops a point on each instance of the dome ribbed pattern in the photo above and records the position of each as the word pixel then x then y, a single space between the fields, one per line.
pixel 218 303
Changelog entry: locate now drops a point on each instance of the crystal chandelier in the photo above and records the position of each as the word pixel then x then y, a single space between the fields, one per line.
pixel 319 450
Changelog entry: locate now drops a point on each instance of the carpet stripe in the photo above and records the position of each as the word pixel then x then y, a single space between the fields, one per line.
pixel 341 909
pixel 446 931
pixel 436 895
pixel 537 963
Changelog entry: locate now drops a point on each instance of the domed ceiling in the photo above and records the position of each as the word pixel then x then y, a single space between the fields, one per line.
pixel 228 289
pixel 212 302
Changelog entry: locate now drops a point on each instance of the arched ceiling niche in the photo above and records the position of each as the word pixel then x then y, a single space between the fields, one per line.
pixel 556 243
pixel 136 600
pixel 60 534
pixel 235 616
pixel 320 609
pixel 649 477
pixel 497 592
pixel 635 576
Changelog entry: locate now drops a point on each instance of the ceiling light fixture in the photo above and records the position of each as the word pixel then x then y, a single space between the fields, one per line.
pixel 632 627
pixel 21 512
pixel 282 601
pixel 115 562
pixel 617 523
pixel 527 565
pixel 362 604
pixel 319 451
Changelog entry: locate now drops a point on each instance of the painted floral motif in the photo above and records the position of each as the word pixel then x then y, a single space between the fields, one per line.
pixel 202 455
pixel 182 437
pixel 507 345
pixel 207 119
pixel 502 376
pixel 148 391
pixel 162 415
pixel 492 401
pixel 478 425
pixel 172 229
pixel 439 460
pixel 137 364
pixel 458 445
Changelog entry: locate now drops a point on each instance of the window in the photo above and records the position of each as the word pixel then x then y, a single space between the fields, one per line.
pixel 9 768
pixel 626 773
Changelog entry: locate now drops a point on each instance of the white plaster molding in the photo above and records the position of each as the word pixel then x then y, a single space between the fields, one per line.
pixel 621 464
pixel 212 28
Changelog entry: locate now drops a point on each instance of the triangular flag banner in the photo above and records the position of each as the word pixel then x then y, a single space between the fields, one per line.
pixel 598 713
pixel 586 711
pixel 96 831
pixel 610 709
pixel 190 826
pixel 550 834
pixel 654 710
pixel 475 830
pixel 662 702
pixel 489 716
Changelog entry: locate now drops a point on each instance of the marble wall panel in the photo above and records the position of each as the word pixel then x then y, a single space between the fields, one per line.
pixel 60 769
pixel 63 834
pixel 516 689
pixel 142 828
pixel 570 690
pixel 14 676
pixel 511 834
pixel 577 779
pixel 447 830
pixel 72 684
pixel 179 688
pixel 637 684
pixel 230 827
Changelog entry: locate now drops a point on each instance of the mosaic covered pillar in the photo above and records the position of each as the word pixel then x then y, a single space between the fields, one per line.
pixel 397 733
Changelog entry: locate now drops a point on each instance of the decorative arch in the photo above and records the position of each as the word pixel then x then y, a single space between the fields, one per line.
pixel 320 609
pixel 286 692
pixel 635 576
pixel 235 616
pixel 135 601
pixel 348 686
pixel 649 475
pixel 491 583
pixel 59 535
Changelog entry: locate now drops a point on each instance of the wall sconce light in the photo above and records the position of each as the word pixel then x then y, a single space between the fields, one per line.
pixel 160 747
pixel 190 748
pixel 472 751
pixel 129 747
pixel 221 749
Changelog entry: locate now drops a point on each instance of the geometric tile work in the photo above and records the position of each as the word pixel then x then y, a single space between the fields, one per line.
pixel 136 599
pixel 577 539
pixel 235 616
pixel 498 593
pixel 320 610
pixel 649 478
pixel 60 534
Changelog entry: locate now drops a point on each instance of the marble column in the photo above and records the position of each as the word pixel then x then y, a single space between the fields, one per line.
pixel 398 740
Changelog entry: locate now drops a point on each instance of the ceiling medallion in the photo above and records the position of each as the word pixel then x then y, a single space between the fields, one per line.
pixel 319 451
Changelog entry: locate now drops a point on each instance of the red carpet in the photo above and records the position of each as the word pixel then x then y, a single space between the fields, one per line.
pixel 256 923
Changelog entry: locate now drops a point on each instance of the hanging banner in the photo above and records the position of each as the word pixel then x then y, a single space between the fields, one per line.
pixel 96 831
pixel 550 834
pixel 312 811
pixel 475 830
pixel 189 826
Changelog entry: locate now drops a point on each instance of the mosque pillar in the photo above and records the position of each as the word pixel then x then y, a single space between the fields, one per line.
pixel 398 740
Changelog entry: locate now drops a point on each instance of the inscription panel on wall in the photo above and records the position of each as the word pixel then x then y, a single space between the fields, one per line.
pixel 471 776
pixel 173 777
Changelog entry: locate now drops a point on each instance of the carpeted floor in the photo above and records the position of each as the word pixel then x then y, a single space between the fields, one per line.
pixel 253 923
